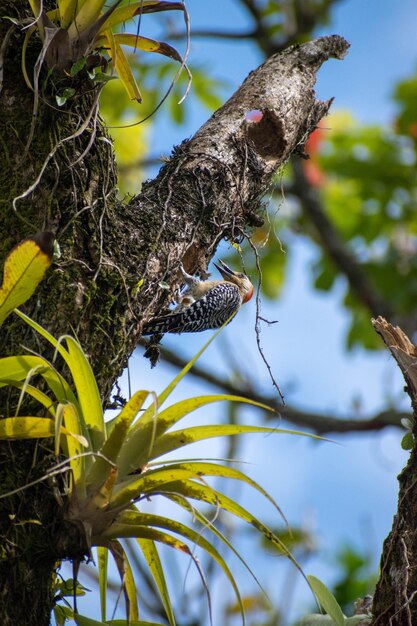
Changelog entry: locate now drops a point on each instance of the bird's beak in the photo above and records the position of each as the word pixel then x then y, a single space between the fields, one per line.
pixel 225 271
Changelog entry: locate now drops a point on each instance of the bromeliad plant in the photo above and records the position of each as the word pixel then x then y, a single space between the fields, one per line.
pixel 112 466
pixel 77 33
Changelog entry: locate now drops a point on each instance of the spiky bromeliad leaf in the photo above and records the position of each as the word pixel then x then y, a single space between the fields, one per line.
pixel 206 493
pixel 180 438
pixel 117 434
pixel 15 369
pixel 127 12
pixel 89 402
pixel 29 427
pixel 142 525
pixel 144 442
pixel 139 484
pixel 126 578
pixel 152 558
pixel 24 268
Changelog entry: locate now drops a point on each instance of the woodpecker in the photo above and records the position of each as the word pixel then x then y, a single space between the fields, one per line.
pixel 204 304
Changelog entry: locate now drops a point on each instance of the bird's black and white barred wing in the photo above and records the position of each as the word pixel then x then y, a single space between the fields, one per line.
pixel 211 311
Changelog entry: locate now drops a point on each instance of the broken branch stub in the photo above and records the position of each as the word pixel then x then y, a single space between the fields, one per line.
pixel 395 595
pixel 282 90
pixel 212 187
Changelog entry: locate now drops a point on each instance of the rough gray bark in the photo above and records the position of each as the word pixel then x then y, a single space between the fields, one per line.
pixel 395 601
pixel 210 190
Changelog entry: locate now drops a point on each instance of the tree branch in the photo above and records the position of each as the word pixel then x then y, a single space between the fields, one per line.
pixel 211 34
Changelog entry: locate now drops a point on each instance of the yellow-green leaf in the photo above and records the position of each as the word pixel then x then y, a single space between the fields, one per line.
pixel 149 481
pixel 18 368
pixel 110 449
pixel 102 560
pixel 77 462
pixel 85 17
pixel 123 69
pixel 206 493
pixel 67 11
pixel 41 397
pixel 124 13
pixel 204 468
pixel 153 560
pixel 140 525
pixel 180 438
pixel 87 392
pixel 138 42
pixel 24 268
pixel 149 428
pixel 29 427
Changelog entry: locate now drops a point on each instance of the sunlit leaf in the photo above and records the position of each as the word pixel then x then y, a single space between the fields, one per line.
pixel 135 524
pixel 17 368
pixel 138 42
pixel 143 442
pixel 179 438
pixel 28 427
pixel 125 13
pixel 205 493
pixel 24 268
pixel 102 561
pixel 87 392
pixel 153 561
pixel 123 69
pixel 111 448
pixel 73 423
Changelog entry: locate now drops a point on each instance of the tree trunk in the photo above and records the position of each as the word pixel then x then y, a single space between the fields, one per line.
pixel 58 174
pixel 395 601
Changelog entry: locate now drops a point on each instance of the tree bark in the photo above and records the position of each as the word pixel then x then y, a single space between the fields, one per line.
pixel 395 601
pixel 58 174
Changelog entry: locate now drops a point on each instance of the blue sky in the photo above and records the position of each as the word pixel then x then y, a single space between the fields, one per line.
pixel 348 490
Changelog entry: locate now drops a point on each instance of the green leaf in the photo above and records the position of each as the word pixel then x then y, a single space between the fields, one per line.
pixel 407 441
pixel 151 555
pixel 208 524
pixel 61 99
pixel 78 66
pixel 123 622
pixel 102 559
pixel 119 431
pixel 179 438
pixel 144 440
pixel 24 268
pixel 18 368
pixel 73 423
pixel 126 577
pixel 140 525
pixel 62 613
pixel 38 395
pixel 327 600
pixel 201 469
pixel 29 427
pixel 145 483
pixel 87 392
pixel 89 402
pixel 82 620
pixel 124 13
